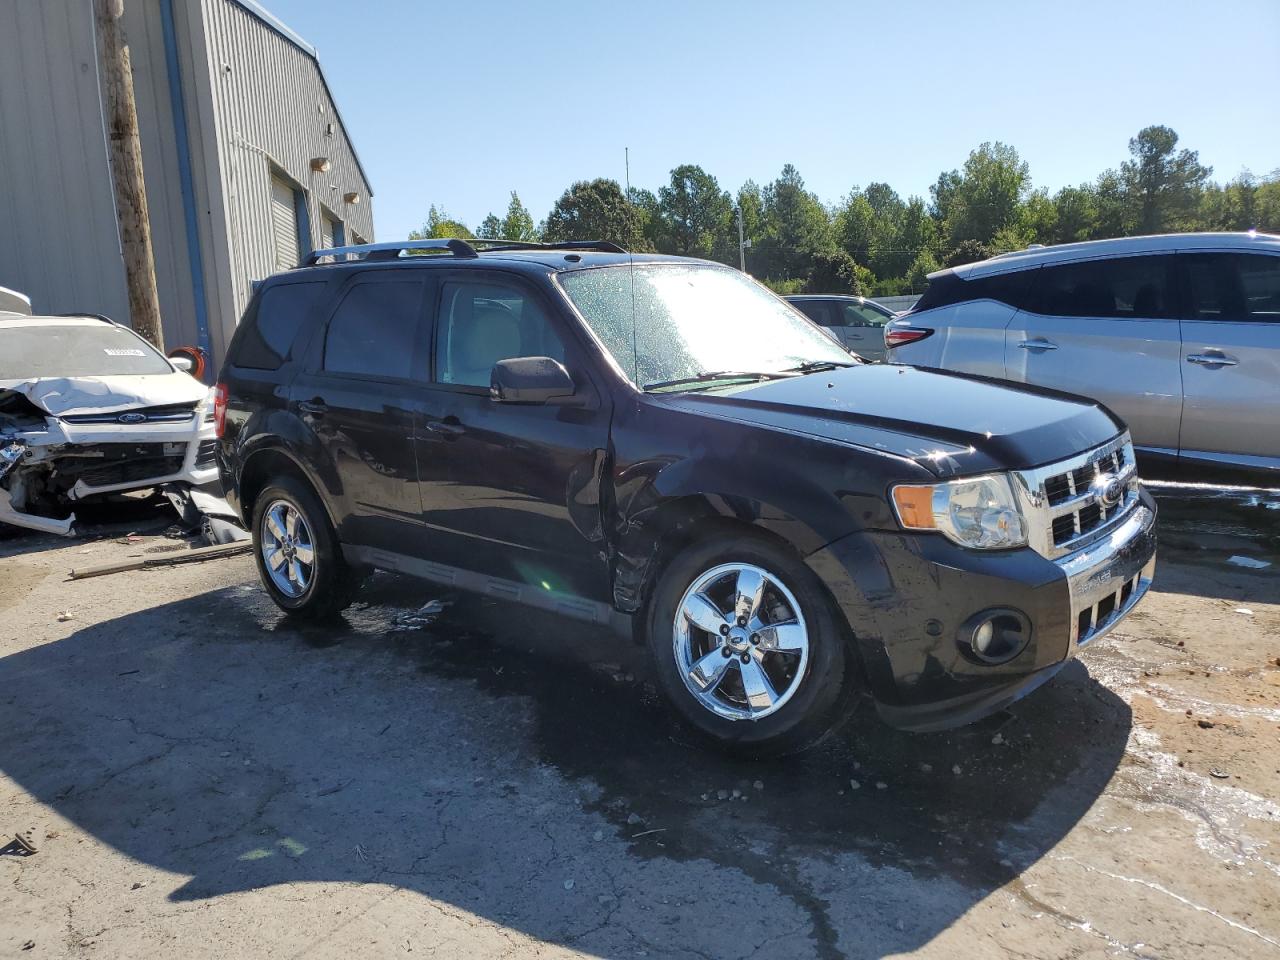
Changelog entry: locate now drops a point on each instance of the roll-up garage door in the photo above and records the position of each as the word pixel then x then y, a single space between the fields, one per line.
pixel 284 225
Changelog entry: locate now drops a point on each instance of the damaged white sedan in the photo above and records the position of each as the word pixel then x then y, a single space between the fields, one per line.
pixel 87 407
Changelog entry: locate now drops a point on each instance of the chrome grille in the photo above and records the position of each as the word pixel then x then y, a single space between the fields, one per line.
pixel 1068 502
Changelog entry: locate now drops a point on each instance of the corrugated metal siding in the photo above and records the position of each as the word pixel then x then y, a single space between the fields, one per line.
pixel 271 109
pixel 58 237
pixel 284 225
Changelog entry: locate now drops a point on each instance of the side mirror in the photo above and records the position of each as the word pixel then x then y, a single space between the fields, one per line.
pixel 183 363
pixel 530 380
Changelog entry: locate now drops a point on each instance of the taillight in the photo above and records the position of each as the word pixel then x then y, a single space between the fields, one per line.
pixel 219 409
pixel 897 336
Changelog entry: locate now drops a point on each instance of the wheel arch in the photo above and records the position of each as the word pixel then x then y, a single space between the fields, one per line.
pixel 261 466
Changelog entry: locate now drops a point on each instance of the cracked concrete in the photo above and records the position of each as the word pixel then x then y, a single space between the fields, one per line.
pixel 204 778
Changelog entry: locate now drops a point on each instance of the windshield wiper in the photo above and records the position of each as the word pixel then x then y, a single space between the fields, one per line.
pixel 813 366
pixel 720 375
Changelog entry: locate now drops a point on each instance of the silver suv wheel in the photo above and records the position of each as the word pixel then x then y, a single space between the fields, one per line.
pixel 288 548
pixel 740 641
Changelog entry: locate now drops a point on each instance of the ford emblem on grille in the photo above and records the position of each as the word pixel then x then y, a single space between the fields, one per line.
pixel 1111 490
pixel 132 418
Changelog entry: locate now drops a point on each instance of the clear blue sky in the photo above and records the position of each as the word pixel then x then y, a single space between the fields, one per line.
pixel 459 103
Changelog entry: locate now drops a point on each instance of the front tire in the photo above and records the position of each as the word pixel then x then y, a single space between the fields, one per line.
pixel 748 647
pixel 297 552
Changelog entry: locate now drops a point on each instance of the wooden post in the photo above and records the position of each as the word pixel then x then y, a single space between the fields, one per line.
pixel 125 150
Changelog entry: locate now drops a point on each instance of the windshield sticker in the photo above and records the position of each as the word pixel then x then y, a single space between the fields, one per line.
pixel 124 352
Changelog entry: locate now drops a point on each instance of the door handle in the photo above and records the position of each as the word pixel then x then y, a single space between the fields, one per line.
pixel 315 406
pixel 450 427
pixel 1211 360
pixel 1040 344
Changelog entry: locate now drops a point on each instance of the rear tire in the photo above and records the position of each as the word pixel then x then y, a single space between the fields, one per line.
pixel 748 647
pixel 296 549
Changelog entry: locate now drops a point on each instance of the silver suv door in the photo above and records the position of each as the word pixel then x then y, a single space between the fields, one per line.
pixel 1231 358
pixel 862 328
pixel 1106 329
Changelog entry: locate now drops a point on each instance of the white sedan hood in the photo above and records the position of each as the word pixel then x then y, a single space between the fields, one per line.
pixel 59 396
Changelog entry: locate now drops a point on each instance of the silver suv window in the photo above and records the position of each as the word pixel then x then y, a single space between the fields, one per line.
pixel 1122 288
pixel 1232 286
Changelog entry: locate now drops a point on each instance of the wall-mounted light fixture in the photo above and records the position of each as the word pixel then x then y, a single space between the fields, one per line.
pixel 352 197
pixel 320 164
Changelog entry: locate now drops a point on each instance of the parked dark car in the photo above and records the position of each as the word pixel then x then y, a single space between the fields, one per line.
pixel 659 444
pixel 856 322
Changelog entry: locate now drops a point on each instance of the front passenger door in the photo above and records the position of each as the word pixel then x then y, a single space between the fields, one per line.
pixel 1231 359
pixel 510 490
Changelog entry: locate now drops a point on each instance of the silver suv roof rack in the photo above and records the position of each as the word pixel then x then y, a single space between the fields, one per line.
pixel 464 249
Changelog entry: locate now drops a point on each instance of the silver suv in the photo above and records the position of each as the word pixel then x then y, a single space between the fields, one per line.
pixel 1179 335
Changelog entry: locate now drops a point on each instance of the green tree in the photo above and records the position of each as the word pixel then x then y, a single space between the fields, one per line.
pixel 594 210
pixel 918 273
pixel 833 272
pixel 988 194
pixel 1112 206
pixel 439 225
pixel 1162 183
pixel 518 224
pixel 854 226
pixel 967 251
pixel 646 207
pixel 490 228
pixel 796 227
pixel 696 216
pixel 1076 211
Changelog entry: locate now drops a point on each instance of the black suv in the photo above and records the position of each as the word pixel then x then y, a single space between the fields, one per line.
pixel 662 444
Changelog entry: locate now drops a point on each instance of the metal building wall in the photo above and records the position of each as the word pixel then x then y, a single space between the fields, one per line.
pixel 59 242
pixel 271 109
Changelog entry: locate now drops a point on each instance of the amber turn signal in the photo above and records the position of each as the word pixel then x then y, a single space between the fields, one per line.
pixel 915 506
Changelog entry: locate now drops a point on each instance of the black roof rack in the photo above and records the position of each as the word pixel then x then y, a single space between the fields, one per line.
pixel 463 249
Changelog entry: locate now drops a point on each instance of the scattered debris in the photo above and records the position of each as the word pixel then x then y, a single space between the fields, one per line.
pixel 424 616
pixel 997 740
pixel 163 560
pixel 645 833
pixel 19 846
pixel 758 785
pixel 361 853
pixel 64 616
pixel 1244 610
pixel 1219 774
pixel 926 768
pixel 956 769
pixel 598 836
pixel 1249 562
pixel 1205 724
pixel 854 785
pixel 29 945
pixel 722 794
pixel 881 785
pixel 568 884
pixel 633 819
pixel 138 884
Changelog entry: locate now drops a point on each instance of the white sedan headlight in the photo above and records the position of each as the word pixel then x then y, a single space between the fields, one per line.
pixel 977 512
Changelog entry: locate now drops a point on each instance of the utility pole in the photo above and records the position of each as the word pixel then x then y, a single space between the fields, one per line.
pixel 627 155
pixel 125 151
pixel 742 244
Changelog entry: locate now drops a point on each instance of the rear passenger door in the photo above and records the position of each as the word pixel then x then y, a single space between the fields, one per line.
pixel 1107 330
pixel 862 328
pixel 512 491
pixel 361 397
pixel 1231 358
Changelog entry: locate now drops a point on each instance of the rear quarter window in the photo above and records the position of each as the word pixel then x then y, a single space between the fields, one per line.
pixel 272 323
pixel 1013 288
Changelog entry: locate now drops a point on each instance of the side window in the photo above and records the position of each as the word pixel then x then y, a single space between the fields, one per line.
pixel 815 310
pixel 1127 288
pixel 857 315
pixel 373 331
pixel 482 323
pixel 272 327
pixel 1232 286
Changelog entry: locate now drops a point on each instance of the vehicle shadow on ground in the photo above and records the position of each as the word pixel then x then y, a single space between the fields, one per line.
pixel 487 759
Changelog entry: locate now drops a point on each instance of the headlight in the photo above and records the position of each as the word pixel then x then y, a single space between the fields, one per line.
pixel 979 512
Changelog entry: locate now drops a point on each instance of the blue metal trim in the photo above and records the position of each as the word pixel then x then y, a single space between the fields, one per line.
pixel 185 178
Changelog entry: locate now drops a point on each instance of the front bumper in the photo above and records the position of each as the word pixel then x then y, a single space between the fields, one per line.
pixel 907 596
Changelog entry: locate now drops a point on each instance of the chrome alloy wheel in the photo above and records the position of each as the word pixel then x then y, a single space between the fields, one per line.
pixel 288 549
pixel 740 641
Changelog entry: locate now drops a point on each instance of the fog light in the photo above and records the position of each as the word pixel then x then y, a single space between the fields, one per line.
pixel 994 636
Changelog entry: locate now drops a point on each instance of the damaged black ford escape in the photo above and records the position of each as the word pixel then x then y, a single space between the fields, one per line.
pixel 662 442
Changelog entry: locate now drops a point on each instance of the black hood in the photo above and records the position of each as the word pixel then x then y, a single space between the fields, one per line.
pixel 953 424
